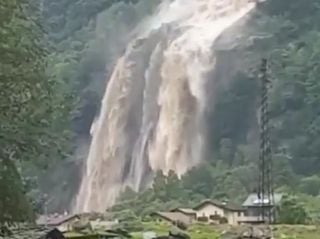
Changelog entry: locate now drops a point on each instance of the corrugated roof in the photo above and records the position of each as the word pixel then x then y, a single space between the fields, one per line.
pixel 173 216
pixel 55 220
pixel 253 200
pixel 226 206
pixel 184 210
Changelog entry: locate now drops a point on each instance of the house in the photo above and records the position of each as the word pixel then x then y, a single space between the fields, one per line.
pixel 61 222
pixel 172 217
pixel 208 211
pixel 253 207
pixel 212 211
pixel 189 212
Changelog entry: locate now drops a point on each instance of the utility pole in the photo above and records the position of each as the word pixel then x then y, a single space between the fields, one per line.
pixel 265 193
pixel 47 200
pixel 46 209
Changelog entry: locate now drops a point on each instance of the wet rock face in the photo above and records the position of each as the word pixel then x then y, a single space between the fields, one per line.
pixel 152 115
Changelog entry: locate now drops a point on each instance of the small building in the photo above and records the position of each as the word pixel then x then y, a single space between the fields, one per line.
pixel 212 211
pixel 208 211
pixel 253 207
pixel 189 212
pixel 62 222
pixel 172 217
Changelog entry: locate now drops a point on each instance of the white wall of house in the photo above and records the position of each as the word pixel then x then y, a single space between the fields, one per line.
pixel 248 220
pixel 208 210
pixel 234 217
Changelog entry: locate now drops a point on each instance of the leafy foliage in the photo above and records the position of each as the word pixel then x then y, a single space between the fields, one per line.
pixel 32 115
pixel 34 109
pixel 292 211
pixel 231 170
pixel 52 79
pixel 14 206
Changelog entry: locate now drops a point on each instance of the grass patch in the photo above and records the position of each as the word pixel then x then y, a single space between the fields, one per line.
pixel 296 232
pixel 202 231
pixel 199 231
pixel 196 231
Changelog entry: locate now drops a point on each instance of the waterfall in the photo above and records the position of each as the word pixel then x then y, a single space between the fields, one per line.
pixel 151 116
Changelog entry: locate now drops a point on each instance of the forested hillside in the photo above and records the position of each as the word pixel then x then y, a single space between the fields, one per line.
pixel 83 41
pixel 51 89
pixel 290 40
pixel 87 37
pixel 33 111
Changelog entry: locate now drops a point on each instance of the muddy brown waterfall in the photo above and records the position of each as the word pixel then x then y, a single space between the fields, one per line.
pixel 151 116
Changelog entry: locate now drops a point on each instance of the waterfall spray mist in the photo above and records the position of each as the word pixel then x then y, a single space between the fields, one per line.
pixel 152 112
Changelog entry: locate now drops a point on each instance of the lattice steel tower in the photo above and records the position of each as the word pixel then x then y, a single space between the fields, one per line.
pixel 265 193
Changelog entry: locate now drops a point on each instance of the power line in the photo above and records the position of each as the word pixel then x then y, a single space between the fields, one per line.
pixel 265 193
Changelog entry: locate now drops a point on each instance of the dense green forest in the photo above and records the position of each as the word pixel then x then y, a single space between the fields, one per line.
pixel 56 56
pixel 34 112
pixel 230 172
pixel 53 71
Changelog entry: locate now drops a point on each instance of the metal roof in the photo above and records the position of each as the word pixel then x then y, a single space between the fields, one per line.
pixel 226 205
pixel 253 200
pixel 184 210
pixel 173 216
pixel 55 220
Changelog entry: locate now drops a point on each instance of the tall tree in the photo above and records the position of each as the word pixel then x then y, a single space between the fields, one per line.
pixel 292 211
pixel 14 206
pixel 32 117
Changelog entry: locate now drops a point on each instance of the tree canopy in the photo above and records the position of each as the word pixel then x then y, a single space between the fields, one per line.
pixel 33 112
pixel 56 55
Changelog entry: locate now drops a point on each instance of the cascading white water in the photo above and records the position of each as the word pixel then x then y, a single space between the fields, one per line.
pixel 152 112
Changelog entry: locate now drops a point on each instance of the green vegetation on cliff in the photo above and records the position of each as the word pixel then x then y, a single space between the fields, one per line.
pixel 56 55
pixel 291 43
pixel 33 112
pixel 52 75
